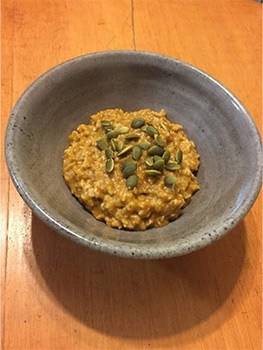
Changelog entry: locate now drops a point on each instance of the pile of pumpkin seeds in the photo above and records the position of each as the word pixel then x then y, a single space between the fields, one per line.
pixel 156 160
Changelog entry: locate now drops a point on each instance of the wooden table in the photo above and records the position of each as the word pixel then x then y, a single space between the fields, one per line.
pixel 59 295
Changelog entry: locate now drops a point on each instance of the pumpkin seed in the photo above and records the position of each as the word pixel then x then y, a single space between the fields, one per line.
pixel 123 130
pixel 136 153
pixel 166 156
pixel 148 161
pixel 151 130
pixel 109 165
pixel 155 158
pixel 144 127
pixel 145 145
pixel 165 127
pixel 151 172
pixel 132 181
pixel 109 153
pixel 108 128
pixel 129 170
pixel 159 140
pixel 119 146
pixel 172 166
pixel 179 156
pixel 112 134
pixel 105 123
pixel 137 123
pixel 132 137
pixel 156 150
pixel 125 150
pixel 127 162
pixel 170 181
pixel 159 165
pixel 113 144
pixel 102 144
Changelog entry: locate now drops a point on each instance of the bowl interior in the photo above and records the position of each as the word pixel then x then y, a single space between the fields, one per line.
pixel 66 96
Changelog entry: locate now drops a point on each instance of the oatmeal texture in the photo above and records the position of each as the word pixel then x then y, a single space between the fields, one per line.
pixel 151 203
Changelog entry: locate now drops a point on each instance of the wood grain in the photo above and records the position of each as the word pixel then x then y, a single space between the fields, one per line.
pixel 59 295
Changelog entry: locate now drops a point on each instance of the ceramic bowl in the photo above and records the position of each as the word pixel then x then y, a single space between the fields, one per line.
pixel 64 97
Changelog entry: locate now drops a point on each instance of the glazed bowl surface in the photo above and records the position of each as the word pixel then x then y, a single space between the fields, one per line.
pixel 67 95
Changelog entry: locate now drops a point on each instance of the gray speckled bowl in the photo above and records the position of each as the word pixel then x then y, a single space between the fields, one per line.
pixel 64 97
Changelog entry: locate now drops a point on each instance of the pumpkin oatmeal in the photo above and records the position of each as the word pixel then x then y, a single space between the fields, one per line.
pixel 133 170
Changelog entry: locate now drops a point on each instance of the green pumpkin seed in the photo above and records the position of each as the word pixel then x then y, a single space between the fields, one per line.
pixel 170 181
pixel 151 172
pixel 151 130
pixel 165 127
pixel 132 181
pixel 155 150
pixel 132 137
pixel 155 158
pixel 127 162
pixel 125 150
pixel 179 156
pixel 159 165
pixel 113 144
pixel 108 128
pixel 129 170
pixel 172 166
pixel 137 123
pixel 159 140
pixel 123 130
pixel 113 134
pixel 144 127
pixel 136 153
pixel 148 161
pixel 109 153
pixel 105 123
pixel 109 165
pixel 166 156
pixel 102 144
pixel 119 146
pixel 145 145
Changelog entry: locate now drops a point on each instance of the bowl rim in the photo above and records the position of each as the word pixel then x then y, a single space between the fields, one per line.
pixel 153 251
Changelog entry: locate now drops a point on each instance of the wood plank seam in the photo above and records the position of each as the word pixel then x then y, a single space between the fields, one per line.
pixel 133 28
pixel 8 197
